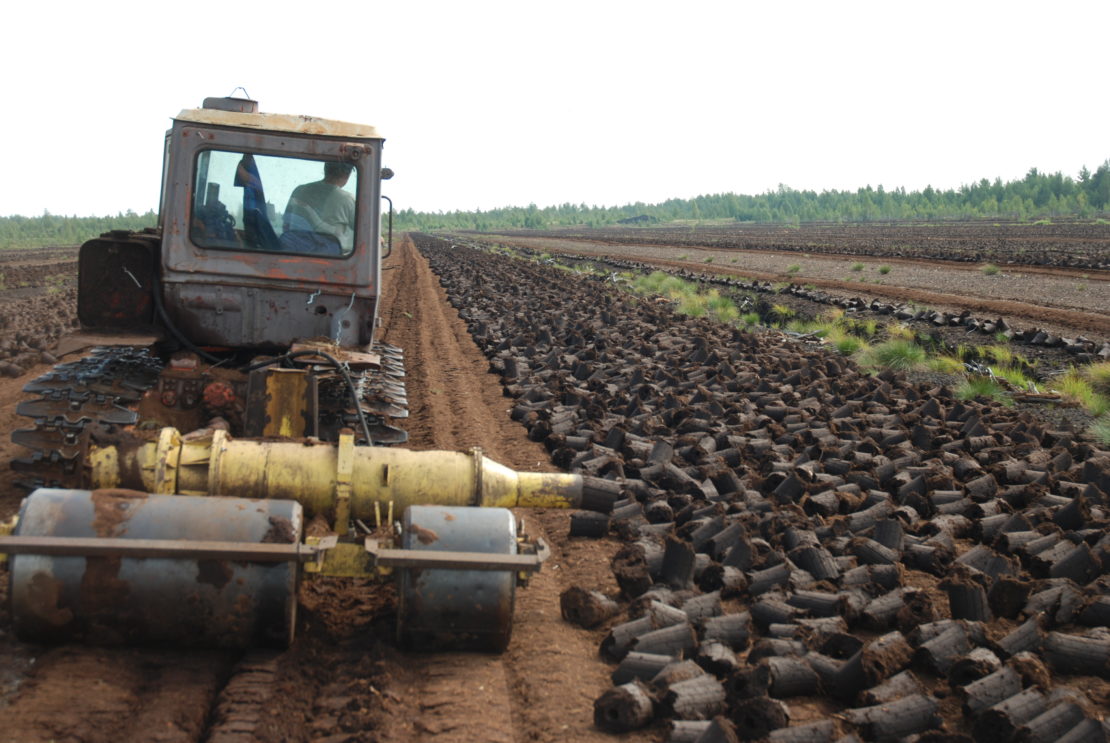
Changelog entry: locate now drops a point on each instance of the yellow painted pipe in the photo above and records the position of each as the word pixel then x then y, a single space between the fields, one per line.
pixel 325 478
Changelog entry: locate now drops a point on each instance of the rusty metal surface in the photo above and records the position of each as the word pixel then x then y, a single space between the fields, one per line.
pixel 470 609
pixel 256 299
pixel 115 286
pixel 450 560
pixel 173 548
pixel 280 122
pixel 193 602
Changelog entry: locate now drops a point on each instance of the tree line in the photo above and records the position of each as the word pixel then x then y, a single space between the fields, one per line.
pixel 53 229
pixel 1037 195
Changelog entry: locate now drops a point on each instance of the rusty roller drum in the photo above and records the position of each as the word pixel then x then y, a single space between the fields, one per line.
pixel 457 609
pixel 181 601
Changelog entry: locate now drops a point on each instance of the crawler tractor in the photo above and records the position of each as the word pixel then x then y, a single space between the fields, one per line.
pixel 230 429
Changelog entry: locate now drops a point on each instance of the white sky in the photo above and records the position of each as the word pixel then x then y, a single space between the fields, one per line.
pixel 488 104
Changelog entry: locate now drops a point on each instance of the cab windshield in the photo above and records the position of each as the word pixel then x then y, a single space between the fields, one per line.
pixel 248 201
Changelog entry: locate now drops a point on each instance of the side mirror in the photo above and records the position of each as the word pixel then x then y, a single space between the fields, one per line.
pixel 387 173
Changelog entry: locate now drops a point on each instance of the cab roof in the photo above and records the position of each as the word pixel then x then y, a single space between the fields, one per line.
pixel 294 124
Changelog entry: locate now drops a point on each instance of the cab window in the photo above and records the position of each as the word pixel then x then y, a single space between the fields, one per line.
pixel 250 201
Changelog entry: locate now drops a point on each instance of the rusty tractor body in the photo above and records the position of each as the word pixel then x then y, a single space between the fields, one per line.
pixel 246 319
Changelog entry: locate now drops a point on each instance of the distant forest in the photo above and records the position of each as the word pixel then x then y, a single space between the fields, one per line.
pixel 1036 196
pixel 52 229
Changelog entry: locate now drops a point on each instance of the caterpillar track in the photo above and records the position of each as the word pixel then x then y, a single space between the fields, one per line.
pixel 92 398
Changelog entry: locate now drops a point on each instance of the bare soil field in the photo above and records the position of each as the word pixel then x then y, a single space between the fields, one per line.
pixel 1081 245
pixel 820 543
pixel 1064 301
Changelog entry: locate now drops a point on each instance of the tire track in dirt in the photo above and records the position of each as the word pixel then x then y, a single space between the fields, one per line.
pixel 92 694
pixel 542 688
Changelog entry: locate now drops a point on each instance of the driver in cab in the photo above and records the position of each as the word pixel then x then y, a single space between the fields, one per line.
pixel 320 216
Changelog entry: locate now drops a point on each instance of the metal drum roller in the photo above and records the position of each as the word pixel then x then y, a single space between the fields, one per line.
pixel 192 597
pixel 455 608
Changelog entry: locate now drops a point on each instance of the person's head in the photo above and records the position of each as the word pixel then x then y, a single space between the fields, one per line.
pixel 337 173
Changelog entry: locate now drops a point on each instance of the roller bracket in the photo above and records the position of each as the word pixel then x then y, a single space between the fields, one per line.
pixel 450 560
pixel 156 548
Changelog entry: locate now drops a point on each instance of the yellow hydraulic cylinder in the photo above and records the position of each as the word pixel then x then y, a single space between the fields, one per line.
pixel 337 480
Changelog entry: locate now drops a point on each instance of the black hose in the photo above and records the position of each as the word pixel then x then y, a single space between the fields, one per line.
pixel 292 355
pixel 156 290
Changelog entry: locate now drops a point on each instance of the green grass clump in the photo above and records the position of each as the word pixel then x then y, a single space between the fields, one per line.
pixel 897 330
pixel 750 318
pixel 781 313
pixel 709 259
pixel 895 354
pixel 989 269
pixel 793 268
pixel 999 354
pixel 1099 374
pixel 1014 376
pixel 945 365
pixel 1075 386
pixel 722 308
pixel 867 328
pixel 693 305
pixel 658 282
pixel 857 266
pixel 808 327
pixel 884 270
pixel 1100 429
pixel 976 387
pixel 849 344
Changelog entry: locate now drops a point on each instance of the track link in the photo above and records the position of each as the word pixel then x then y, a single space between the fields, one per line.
pixel 100 393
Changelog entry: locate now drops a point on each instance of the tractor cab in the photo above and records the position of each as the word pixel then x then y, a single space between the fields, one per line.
pixel 270 234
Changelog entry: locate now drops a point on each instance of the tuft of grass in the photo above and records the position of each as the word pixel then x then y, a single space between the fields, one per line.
pixel 793 268
pixel 722 308
pixel 750 318
pixel 693 305
pixel 899 331
pixel 781 313
pixel 1014 376
pixel 999 354
pixel 976 387
pixel 945 365
pixel 989 269
pixel 895 354
pixel 683 256
pixel 866 328
pixel 884 270
pixel 1075 386
pixel 733 260
pixel 808 326
pixel 1099 375
pixel 1100 429
pixel 857 266
pixel 709 259
pixel 849 344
